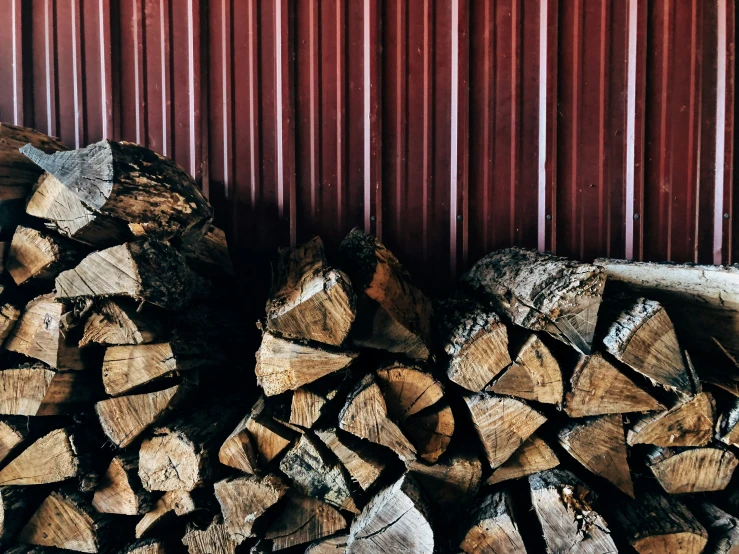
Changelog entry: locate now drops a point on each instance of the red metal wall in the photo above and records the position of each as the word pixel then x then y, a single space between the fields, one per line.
pixel 447 127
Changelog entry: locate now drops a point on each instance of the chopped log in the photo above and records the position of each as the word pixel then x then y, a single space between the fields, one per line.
pixel 407 390
pixel 50 459
pixel 124 418
pixel 123 181
pixel 173 503
pixel 564 507
pixel 397 519
pixel 728 425
pixel 209 255
pixel 148 546
pixel 146 270
pixel 644 339
pixel 35 256
pixel 599 445
pixel 13 512
pixel 283 365
pixel 365 415
pixel 9 316
pixel 656 523
pixel 475 341
pixel 331 545
pixel 66 520
pixel 244 501
pixel 306 407
pixel 362 460
pixel 689 423
pixel 313 474
pixel 534 375
pixel 690 470
pixel 493 528
pixel 12 435
pixel 211 540
pixel 502 424
pixel 723 528
pixel 37 391
pixel 39 335
pixel 451 483
pixel 597 387
pixel 303 520
pixel 309 300
pixel 179 455
pixel 392 314
pixel 118 323
pixel 120 490
pixel 430 431
pixel 542 292
pixel 532 456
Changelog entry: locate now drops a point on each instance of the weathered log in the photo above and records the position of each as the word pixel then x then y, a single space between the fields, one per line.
pixel 597 387
pixel 542 292
pixel 38 391
pixel 564 507
pixel 691 470
pixel 723 528
pixel 209 540
pixel 303 520
pixel 119 322
pixel 331 545
pixel 12 435
pixel 172 504
pixel 448 484
pixel 35 256
pixel 307 406
pixel 120 490
pixel 9 316
pixel 309 300
pixel 362 460
pixel 209 255
pixel 474 340
pixel 492 528
pixel 430 431
pixel 148 546
pixel 727 428
pixel 407 390
pixel 123 181
pixel 689 423
pixel 392 314
pixel 51 459
pixel 502 424
pixel 533 456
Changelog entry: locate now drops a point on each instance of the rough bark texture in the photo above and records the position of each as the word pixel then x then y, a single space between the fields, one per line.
pixel 692 470
pixel 493 528
pixel 689 423
pixel 209 255
pixel 728 425
pixel 9 316
pixel 723 528
pixel 533 456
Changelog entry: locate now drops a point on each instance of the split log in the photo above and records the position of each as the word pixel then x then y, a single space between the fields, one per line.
pixel 307 406
pixel 362 460
pixel 407 390
pixel 564 507
pixel 493 528
pixel 39 334
pixel 148 546
pixel 430 431
pixel 392 314
pixel 533 456
pixel 9 316
pixel 689 423
pixel 597 387
pixel 542 292
pixel 12 435
pixel 38 391
pixel 120 490
pixel 35 256
pixel 366 416
pixel 50 459
pixel 146 270
pixel 644 339
pixel 209 255
pixel 723 528
pixel 502 424
pixel 13 512
pixel 309 300
pixel 123 181
pixel 534 375
pixel 244 501
pixel 283 365
pixel 451 483
pixel 475 341
pixel 397 519
pixel 211 540
pixel 599 445
pixel 66 520
pixel 691 470
pixel 303 520
pixel 314 475
pixel 656 523
pixel 728 425
pixel 118 323
pixel 173 503
pixel 331 545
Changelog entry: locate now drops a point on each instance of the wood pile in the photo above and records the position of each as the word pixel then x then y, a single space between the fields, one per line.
pixel 547 406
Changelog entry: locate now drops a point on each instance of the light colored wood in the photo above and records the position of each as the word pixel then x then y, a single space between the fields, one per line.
pixel 407 390
pixel 306 407
pixel 331 545
pixel 171 504
pixel 393 314
pixel 36 256
pixel 563 505
pixel 502 424
pixel 534 375
pixel 303 520
pixel 120 490
pixel 395 520
pixel 493 528
pixel 365 415
pixel 50 459
pixel 430 431
pixel 9 316
pixel 66 520
pixel 599 444
pixel 532 456
pixel 475 341
pixel 37 391
pixel 727 428
pixel 283 365
pixel 542 292
pixel 451 483
pixel 12 435
pixel 210 540
pixel 244 500
pixel 148 546
pixel 309 300
pixel 689 423
pixel 692 470
pixel 655 524
pixel 363 461
pixel 723 528
pixel 118 322
pixel 598 387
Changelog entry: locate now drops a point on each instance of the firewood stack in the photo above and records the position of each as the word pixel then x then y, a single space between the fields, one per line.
pixel 548 405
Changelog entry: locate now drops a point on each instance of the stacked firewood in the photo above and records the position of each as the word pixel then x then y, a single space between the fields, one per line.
pixel 549 405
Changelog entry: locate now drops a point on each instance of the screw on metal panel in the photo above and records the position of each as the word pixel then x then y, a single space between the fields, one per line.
pixel 459 218
pixel 726 216
pixel 372 218
pixel 549 217
pixel 636 216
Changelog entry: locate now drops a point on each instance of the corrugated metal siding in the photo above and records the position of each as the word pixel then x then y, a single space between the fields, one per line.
pixel 447 127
